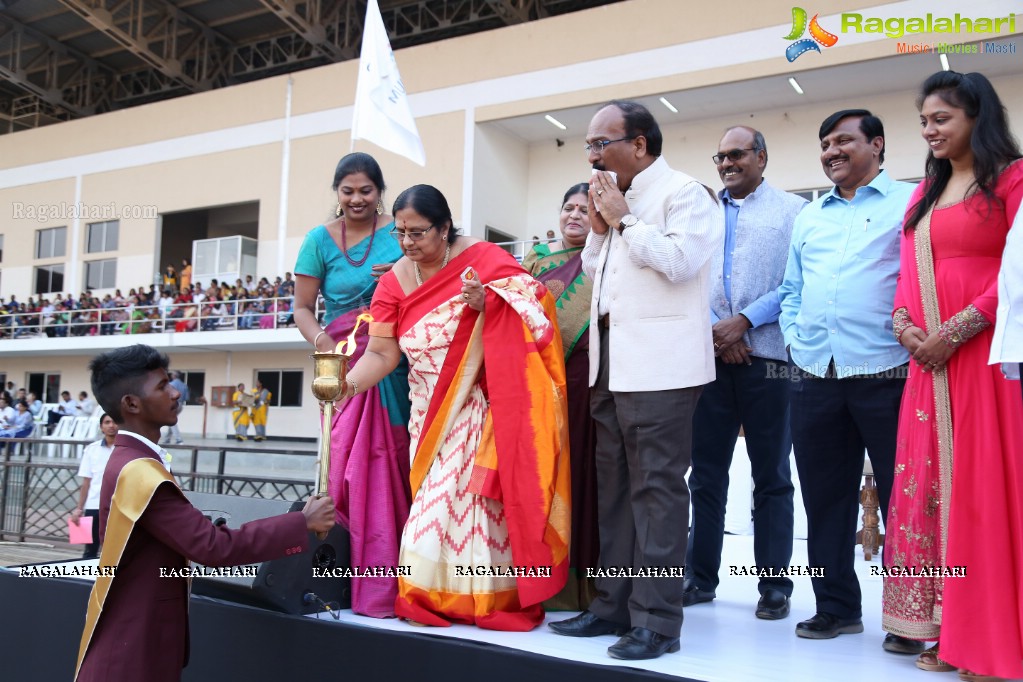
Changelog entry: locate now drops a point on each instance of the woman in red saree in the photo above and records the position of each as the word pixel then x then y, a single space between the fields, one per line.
pixel 488 534
pixel 957 502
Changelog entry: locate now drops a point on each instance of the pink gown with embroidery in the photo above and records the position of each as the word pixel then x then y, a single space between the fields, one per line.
pixel 960 506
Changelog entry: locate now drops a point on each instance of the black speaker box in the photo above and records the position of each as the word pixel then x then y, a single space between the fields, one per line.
pixel 285 584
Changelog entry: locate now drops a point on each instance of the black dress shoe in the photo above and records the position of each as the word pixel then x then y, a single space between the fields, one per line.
pixel 902 645
pixel 640 644
pixel 826 626
pixel 587 625
pixel 694 595
pixel 773 605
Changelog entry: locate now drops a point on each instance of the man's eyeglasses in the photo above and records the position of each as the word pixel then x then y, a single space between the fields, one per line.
pixel 733 155
pixel 600 145
pixel 415 234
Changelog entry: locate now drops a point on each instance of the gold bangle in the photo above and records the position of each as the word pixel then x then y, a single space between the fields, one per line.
pixel 355 386
pixel 316 339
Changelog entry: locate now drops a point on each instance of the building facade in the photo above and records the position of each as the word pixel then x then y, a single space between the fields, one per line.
pixel 107 202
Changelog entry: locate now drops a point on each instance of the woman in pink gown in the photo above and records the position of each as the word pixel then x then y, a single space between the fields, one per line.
pixel 957 503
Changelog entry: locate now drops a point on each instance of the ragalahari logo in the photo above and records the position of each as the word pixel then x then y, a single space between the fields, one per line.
pixel 817 35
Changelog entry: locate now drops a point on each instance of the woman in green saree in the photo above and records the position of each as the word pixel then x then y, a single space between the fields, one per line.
pixel 559 266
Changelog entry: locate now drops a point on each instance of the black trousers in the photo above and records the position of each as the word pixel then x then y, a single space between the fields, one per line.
pixel 92 549
pixel 755 397
pixel 833 420
pixel 642 455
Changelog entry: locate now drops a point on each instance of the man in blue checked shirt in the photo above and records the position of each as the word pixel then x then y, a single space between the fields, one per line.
pixel 751 389
pixel 847 370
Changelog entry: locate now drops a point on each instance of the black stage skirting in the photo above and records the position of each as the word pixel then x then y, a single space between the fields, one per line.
pixel 41 625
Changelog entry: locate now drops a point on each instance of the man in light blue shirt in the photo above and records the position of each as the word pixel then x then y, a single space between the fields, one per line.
pixel 847 370
pixel 751 388
pixel 65 408
pixel 35 406
pixel 173 432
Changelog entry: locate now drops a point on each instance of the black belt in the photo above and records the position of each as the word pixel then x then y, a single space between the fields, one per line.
pixel 604 321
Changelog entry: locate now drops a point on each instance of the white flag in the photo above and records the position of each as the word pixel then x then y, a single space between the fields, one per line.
pixel 382 113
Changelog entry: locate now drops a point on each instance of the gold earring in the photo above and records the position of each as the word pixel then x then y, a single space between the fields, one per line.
pixel 380 207
pixel 337 211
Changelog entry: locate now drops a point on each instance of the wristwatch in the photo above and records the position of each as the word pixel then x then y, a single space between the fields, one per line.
pixel 628 220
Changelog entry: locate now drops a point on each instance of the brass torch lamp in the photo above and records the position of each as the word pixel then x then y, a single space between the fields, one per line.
pixel 330 374
pixel 330 370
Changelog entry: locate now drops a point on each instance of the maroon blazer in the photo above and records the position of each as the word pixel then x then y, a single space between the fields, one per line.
pixel 142 633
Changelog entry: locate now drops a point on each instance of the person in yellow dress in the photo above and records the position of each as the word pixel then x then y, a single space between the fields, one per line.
pixel 259 409
pixel 240 414
pixel 185 277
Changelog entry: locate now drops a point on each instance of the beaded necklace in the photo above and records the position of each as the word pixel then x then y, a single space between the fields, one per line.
pixel 344 242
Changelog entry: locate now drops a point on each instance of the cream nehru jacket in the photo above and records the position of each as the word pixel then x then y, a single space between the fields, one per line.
pixel 657 276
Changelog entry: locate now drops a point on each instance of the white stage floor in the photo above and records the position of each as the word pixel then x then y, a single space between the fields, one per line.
pixel 722 641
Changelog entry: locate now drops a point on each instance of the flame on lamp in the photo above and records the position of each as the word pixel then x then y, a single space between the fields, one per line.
pixel 347 347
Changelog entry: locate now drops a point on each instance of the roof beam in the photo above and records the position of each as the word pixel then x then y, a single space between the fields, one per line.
pixel 162 36
pixel 512 11
pixel 310 28
pixel 69 79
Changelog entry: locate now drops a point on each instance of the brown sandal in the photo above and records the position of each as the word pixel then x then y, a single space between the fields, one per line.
pixel 930 662
pixel 967 676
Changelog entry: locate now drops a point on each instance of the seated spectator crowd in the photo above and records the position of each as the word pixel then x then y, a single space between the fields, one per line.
pixel 243 305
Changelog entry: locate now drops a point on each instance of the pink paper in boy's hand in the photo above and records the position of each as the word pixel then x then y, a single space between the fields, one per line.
pixel 80 533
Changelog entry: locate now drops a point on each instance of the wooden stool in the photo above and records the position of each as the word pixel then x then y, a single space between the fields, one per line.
pixel 870 534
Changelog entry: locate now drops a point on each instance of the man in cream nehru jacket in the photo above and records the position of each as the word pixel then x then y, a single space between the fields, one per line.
pixel 654 231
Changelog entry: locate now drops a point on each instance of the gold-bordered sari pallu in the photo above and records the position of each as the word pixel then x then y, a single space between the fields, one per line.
pixel 918 515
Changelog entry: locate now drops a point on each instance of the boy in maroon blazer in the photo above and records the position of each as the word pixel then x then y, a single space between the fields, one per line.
pixel 137 624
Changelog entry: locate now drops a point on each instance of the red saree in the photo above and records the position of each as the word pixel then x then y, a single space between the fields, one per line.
pixel 957 500
pixel 488 534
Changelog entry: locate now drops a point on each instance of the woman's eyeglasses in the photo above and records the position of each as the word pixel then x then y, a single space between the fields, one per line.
pixel 414 234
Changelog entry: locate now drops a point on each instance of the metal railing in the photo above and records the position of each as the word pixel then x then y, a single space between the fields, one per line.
pixel 37 493
pixel 248 313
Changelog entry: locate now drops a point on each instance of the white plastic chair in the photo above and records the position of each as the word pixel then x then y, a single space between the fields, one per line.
pixel 38 431
pixel 44 414
pixel 65 427
pixel 86 428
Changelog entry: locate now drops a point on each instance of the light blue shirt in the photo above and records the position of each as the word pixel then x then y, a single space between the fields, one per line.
pixel 182 388
pixel 20 425
pixel 23 420
pixel 839 286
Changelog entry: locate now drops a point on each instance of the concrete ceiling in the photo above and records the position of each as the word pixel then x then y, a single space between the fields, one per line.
pixel 65 59
pixel 902 73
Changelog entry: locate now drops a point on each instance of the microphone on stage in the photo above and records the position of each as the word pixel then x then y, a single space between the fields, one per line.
pixel 310 597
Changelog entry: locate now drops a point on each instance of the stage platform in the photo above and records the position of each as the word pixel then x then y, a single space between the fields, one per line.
pixel 42 618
